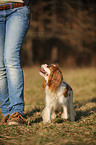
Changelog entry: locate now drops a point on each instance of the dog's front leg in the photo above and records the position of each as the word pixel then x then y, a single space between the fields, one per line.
pixel 46 114
pixel 65 114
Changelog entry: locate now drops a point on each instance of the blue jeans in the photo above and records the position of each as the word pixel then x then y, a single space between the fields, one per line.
pixel 13 27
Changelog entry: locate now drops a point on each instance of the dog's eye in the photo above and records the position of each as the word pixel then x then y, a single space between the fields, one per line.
pixel 49 66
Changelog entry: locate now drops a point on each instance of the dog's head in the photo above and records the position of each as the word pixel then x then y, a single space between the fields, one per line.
pixel 52 75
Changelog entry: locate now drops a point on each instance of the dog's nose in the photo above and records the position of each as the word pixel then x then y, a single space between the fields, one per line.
pixel 44 65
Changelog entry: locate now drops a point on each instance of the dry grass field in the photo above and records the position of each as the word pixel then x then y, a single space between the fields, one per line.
pixel 59 132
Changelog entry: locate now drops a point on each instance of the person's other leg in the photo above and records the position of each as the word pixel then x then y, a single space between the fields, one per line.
pixel 4 97
pixel 16 27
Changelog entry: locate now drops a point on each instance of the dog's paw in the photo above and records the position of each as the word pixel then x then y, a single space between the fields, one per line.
pixel 72 118
pixel 46 121
pixel 53 116
pixel 64 116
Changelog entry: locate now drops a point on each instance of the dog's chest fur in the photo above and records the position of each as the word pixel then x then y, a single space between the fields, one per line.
pixel 56 97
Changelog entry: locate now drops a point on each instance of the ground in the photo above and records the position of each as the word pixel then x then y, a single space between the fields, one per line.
pixel 59 132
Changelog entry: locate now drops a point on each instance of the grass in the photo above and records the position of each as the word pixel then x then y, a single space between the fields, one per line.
pixel 59 132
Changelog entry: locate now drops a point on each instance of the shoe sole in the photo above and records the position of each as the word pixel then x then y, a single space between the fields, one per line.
pixel 13 123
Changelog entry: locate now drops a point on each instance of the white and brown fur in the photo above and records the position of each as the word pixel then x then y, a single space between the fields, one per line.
pixel 58 93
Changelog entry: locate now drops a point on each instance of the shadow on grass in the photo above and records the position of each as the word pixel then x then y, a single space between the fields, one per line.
pixel 32 112
pixel 93 100
pixel 87 112
pixel 36 120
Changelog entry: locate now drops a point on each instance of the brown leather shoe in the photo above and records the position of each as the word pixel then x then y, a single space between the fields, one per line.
pixel 6 118
pixel 16 119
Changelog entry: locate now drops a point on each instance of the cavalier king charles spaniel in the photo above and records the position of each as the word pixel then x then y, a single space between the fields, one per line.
pixel 58 93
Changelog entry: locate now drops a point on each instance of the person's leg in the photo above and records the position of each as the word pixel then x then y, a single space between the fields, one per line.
pixel 4 97
pixel 16 27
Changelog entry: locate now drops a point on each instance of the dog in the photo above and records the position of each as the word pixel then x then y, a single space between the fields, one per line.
pixel 58 93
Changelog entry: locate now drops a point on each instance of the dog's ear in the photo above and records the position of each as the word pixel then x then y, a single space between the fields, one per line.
pixel 55 79
pixel 44 84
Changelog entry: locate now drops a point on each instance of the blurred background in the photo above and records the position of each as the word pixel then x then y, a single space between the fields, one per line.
pixel 61 31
